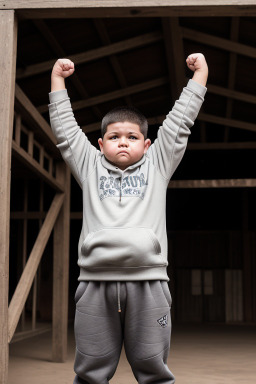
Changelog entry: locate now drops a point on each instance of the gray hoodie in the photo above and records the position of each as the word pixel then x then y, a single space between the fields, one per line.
pixel 123 236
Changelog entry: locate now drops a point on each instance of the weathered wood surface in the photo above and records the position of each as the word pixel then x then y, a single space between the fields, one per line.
pixel 61 271
pixel 135 8
pixel 8 44
pixel 22 290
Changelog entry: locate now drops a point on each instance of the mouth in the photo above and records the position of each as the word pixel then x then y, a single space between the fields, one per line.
pixel 123 153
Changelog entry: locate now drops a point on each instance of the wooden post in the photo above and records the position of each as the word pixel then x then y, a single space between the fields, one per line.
pixel 8 46
pixel 248 274
pixel 61 270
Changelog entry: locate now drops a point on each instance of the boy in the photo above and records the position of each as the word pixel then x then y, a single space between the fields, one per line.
pixel 123 294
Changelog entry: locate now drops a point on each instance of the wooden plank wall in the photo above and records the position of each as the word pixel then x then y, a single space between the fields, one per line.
pixel 220 254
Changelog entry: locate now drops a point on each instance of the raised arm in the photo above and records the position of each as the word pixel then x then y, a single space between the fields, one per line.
pixel 169 147
pixel 75 148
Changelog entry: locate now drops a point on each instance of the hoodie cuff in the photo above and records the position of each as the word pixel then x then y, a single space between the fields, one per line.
pixel 58 96
pixel 197 88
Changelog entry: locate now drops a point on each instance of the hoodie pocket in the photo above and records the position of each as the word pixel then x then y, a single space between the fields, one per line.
pixel 121 248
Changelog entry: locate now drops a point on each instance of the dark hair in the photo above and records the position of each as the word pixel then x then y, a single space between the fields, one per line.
pixel 121 114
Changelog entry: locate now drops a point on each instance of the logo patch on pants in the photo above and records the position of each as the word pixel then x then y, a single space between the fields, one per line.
pixel 163 321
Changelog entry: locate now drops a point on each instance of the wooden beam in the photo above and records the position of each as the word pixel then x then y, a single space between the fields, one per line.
pixel 221 183
pixel 175 54
pixel 22 290
pixel 219 42
pixel 135 8
pixel 234 34
pixel 221 146
pixel 19 336
pixel 215 120
pixel 32 164
pixel 61 271
pixel 227 122
pixel 115 95
pixel 40 126
pixel 232 94
pixel 248 256
pixel 94 54
pixel 27 215
pixel 8 46
pixel 59 51
pixel 103 33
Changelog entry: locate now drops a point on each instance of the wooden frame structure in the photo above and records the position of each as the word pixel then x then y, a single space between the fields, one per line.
pixel 59 213
pixel 136 8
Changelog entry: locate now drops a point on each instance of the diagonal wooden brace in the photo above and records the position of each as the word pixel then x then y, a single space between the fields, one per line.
pixel 22 290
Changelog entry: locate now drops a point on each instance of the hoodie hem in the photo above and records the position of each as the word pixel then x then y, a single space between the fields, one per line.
pixel 124 274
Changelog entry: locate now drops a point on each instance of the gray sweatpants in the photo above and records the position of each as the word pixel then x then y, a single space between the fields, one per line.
pixel 143 325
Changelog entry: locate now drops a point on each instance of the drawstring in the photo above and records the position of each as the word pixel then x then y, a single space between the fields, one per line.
pixel 118 296
pixel 121 181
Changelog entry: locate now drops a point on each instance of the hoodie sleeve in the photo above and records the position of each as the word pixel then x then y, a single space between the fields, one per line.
pixel 72 142
pixel 170 144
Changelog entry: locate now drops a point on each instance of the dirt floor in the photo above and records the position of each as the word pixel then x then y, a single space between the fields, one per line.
pixel 209 354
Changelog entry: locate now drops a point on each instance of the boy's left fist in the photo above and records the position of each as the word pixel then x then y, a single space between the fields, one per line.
pixel 196 62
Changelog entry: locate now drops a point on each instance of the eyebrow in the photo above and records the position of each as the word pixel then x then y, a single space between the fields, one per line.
pixel 117 133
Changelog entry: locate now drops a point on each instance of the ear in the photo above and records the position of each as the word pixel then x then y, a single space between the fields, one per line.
pixel 100 141
pixel 146 145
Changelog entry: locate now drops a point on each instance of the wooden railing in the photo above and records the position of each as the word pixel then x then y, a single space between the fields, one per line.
pixel 33 145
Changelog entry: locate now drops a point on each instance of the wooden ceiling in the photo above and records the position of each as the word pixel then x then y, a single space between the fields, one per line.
pixel 141 61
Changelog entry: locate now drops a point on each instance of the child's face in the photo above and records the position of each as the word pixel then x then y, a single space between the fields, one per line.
pixel 123 144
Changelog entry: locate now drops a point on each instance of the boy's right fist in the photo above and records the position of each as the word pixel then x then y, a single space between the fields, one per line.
pixel 62 69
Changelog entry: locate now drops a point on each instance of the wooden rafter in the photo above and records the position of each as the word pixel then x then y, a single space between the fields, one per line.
pixel 59 51
pixel 174 54
pixel 221 146
pixel 22 290
pixel 115 94
pixel 219 42
pixel 94 54
pixel 103 33
pixel 227 122
pixel 232 70
pixel 220 183
pixel 232 94
pixel 139 8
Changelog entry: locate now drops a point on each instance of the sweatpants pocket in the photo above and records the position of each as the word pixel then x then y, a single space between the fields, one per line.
pixel 166 292
pixel 82 286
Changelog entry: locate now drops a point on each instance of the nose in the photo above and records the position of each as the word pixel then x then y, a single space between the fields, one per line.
pixel 123 142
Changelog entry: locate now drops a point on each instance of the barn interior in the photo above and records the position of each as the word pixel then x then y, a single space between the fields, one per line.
pixel 211 205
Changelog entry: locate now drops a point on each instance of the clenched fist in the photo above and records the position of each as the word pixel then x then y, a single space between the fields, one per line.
pixel 197 63
pixel 62 69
